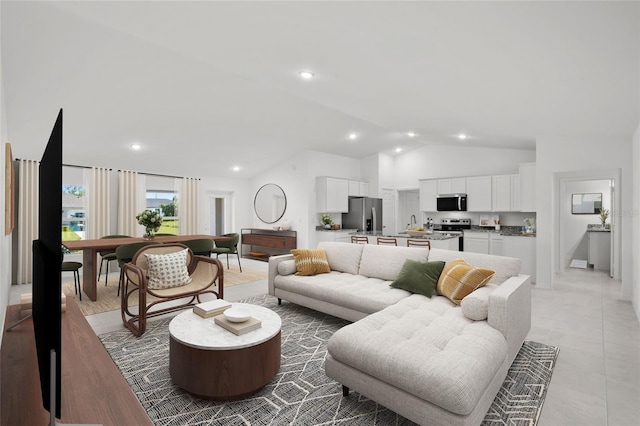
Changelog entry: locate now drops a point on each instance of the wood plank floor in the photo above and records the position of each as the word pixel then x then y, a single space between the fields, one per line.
pixel 93 389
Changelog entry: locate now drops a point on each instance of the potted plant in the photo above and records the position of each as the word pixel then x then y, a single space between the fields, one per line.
pixel 326 220
pixel 604 214
pixel 151 220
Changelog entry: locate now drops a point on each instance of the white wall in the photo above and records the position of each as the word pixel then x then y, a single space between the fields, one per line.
pixel 558 156
pixel 574 226
pixel 440 161
pixel 635 229
pixel 5 240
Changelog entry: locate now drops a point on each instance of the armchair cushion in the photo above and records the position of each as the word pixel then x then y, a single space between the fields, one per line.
pixel 167 270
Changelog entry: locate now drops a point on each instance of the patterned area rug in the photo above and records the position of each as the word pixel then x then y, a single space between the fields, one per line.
pixel 301 393
pixel 108 300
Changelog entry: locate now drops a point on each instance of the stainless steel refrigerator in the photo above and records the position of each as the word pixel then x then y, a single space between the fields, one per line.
pixel 365 214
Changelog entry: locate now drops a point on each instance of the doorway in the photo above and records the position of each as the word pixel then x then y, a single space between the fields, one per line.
pixel 388 211
pixel 220 213
pixel 571 238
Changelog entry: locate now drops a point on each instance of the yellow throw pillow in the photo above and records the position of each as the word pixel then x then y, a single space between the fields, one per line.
pixel 458 279
pixel 311 261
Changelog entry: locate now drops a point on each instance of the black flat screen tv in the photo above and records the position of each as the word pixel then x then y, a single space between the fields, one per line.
pixel 47 262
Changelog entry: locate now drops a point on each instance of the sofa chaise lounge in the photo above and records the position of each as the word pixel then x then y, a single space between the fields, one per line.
pixel 426 358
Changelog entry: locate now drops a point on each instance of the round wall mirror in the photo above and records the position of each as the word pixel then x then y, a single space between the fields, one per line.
pixel 270 203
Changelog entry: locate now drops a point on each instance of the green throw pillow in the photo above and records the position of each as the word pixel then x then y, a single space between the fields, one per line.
pixel 419 277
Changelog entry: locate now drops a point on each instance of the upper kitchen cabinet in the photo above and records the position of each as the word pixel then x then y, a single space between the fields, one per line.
pixel 528 187
pixel 332 195
pixel 359 189
pixel 478 194
pixel 428 195
pixel 452 186
pixel 505 193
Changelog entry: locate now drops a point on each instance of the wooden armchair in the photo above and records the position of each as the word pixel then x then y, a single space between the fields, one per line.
pixel 206 276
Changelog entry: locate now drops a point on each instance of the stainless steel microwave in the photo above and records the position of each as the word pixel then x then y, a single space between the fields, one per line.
pixel 452 203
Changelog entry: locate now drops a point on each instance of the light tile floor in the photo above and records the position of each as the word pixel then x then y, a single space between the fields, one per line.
pixel 597 377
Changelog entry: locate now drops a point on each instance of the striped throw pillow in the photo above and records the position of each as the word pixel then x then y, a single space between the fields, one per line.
pixel 311 261
pixel 458 279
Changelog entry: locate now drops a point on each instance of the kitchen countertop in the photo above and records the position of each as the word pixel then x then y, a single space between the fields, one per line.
pixel 403 235
pixel 597 228
pixel 506 231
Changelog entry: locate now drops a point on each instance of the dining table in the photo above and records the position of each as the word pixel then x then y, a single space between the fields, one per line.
pixel 90 249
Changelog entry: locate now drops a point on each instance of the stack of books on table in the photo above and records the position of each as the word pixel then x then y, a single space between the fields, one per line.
pixel 211 308
pixel 238 328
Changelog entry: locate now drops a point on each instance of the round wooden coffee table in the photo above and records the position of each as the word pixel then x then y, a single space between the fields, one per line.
pixel 212 363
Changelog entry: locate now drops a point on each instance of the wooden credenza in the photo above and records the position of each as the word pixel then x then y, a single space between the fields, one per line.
pixel 261 243
pixel 93 389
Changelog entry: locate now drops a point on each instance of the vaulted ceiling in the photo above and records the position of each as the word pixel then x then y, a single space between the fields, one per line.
pixel 203 86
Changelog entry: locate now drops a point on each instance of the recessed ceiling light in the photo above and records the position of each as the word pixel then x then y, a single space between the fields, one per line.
pixel 411 134
pixel 398 149
pixel 462 136
pixel 136 146
pixel 306 75
pixel 353 136
pixel 236 168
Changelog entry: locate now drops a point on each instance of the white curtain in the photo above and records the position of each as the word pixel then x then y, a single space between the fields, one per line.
pixel 131 201
pixel 188 205
pixel 98 193
pixel 27 217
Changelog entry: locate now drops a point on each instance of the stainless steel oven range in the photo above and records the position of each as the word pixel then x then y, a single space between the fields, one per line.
pixel 455 227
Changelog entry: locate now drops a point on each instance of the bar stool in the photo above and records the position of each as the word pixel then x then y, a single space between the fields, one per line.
pixel 419 243
pixel 359 239
pixel 387 241
pixel 74 267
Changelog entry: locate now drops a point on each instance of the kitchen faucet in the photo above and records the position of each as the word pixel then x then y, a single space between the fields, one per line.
pixel 413 219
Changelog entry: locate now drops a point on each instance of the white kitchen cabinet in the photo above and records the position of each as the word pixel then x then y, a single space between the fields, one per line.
pixel 515 193
pixel 332 195
pixel 496 244
pixel 476 242
pixel 528 187
pixel 501 193
pixel 599 250
pixel 358 188
pixel 478 193
pixel 452 186
pixel 505 195
pixel 340 236
pixel 450 244
pixel 523 248
pixel 428 195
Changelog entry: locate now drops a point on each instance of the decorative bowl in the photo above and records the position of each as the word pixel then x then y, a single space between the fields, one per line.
pixel 414 233
pixel 237 314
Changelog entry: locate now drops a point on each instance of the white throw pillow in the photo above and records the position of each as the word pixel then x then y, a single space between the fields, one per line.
pixel 167 270
pixel 475 305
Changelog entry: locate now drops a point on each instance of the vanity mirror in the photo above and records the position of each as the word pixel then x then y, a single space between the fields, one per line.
pixel 587 203
pixel 270 203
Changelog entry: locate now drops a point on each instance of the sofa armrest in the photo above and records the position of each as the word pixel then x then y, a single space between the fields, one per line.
pixel 510 311
pixel 274 261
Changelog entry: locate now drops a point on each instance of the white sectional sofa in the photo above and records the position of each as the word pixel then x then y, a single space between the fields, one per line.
pixel 428 359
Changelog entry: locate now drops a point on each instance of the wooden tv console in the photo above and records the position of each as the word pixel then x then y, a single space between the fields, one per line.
pixel 93 389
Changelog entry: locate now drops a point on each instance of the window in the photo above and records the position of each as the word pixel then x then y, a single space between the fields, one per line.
pixel 165 203
pixel 73 212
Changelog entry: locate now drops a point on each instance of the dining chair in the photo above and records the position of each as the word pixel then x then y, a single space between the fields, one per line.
pixel 228 247
pixel 108 256
pixel 125 254
pixel 74 267
pixel 200 246
pixel 419 243
pixel 359 239
pixel 386 241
